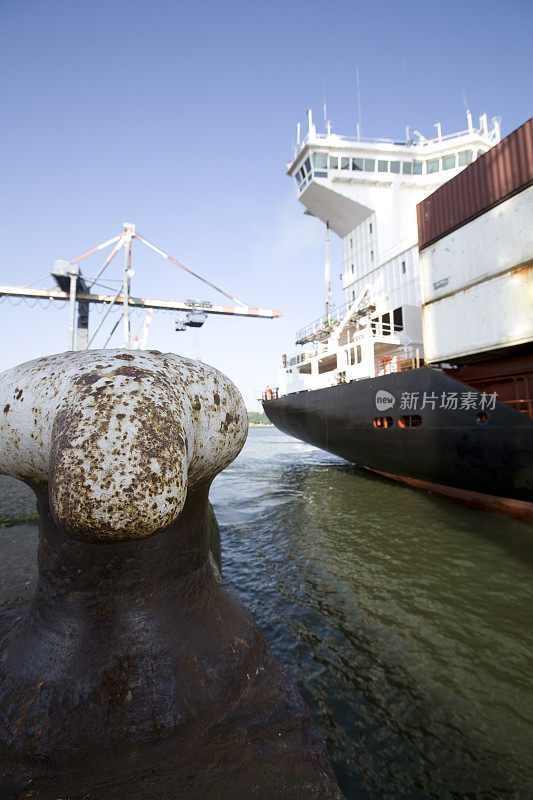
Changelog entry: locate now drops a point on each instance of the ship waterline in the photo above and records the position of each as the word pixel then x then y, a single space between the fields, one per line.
pixel 475 443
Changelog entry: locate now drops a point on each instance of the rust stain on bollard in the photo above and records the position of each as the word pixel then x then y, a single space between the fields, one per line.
pixel 134 673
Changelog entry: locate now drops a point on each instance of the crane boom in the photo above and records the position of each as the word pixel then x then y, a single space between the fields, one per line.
pixel 139 302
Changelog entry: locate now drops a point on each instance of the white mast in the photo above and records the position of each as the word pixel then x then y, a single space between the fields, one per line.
pixel 327 272
pixel 359 123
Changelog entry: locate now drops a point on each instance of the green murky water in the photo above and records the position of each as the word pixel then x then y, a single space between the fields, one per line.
pixel 405 620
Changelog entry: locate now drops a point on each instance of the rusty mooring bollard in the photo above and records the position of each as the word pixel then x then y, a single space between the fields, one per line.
pixel 133 673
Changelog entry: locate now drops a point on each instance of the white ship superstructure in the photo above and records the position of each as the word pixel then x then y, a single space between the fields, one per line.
pixel 366 191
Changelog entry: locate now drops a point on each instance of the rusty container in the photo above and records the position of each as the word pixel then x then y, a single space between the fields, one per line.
pixel 497 175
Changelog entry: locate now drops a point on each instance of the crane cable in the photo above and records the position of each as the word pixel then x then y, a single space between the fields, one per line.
pixel 177 263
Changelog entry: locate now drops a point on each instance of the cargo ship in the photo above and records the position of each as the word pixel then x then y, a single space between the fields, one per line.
pixel 425 374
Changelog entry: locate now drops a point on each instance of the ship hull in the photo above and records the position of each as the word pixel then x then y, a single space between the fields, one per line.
pixel 482 448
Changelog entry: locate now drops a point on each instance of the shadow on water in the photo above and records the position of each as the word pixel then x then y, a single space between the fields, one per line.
pixel 404 620
pixel 512 536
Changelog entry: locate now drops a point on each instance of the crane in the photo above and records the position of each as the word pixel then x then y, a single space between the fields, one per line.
pixel 76 289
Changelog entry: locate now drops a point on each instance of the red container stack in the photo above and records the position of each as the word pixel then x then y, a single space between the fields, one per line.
pixel 495 176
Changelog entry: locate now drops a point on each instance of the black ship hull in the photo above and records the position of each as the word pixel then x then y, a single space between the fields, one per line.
pixel 438 431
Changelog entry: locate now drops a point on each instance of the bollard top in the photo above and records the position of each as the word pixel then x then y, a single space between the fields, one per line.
pixel 118 436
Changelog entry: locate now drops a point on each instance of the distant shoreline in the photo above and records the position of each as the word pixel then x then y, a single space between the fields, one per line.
pixel 260 425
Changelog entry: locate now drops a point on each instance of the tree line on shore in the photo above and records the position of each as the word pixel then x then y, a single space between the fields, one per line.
pixel 258 418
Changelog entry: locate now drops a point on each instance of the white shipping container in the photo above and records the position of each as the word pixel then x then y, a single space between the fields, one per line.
pixel 489 315
pixel 487 246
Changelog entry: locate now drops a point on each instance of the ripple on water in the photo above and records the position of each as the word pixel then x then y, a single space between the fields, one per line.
pixel 405 620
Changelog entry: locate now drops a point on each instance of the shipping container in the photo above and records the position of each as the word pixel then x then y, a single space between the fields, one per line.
pixel 494 177
pixel 483 318
pixel 489 245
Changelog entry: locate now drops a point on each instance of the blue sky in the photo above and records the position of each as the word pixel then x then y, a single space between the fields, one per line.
pixel 180 117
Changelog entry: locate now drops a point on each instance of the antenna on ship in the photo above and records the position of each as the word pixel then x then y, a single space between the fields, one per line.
pixel 408 139
pixel 359 124
pixel 327 273
pixel 310 127
pixel 76 290
pixel 297 145
pixel 468 114
pixel 327 123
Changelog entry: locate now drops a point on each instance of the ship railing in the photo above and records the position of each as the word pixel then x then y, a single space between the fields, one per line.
pixel 380 329
pixel 369 139
pixel 524 405
pixel 401 360
pixel 322 326
pixel 320 331
pixel 522 400
pixel 421 141
pixel 298 358
pixel 270 394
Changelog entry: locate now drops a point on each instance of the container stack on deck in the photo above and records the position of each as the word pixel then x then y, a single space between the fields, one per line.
pixel 476 258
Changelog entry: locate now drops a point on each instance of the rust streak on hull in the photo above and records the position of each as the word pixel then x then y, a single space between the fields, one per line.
pixel 519 509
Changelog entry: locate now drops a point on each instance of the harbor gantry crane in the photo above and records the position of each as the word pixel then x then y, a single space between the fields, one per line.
pixel 76 289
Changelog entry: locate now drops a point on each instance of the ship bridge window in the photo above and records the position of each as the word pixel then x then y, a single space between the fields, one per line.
pixel 465 158
pixel 320 161
pixel 333 162
pixel 395 166
pixel 345 163
pixel 370 165
pixel 417 168
pixel 305 369
pixel 448 162
pixel 407 168
pixel 307 165
pixel 357 164
pixel 383 166
pixel 432 166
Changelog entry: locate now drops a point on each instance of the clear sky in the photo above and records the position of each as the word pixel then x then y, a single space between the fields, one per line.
pixel 180 117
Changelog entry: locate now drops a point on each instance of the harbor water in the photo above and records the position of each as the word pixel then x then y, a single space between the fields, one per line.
pixel 405 620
